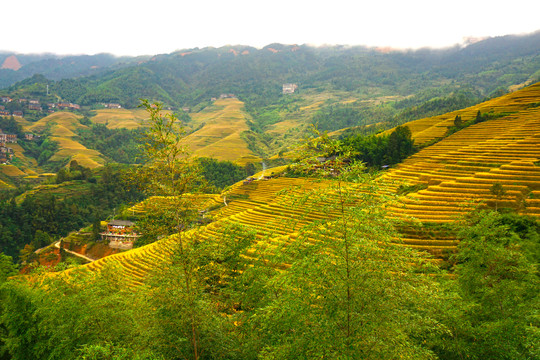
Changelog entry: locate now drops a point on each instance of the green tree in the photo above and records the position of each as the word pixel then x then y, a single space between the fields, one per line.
pixel 190 300
pixel 479 117
pixel 170 172
pixel 458 122
pixel 400 145
pixel 498 191
pixel 350 292
pixel 56 317
pixel 7 268
pixel 498 282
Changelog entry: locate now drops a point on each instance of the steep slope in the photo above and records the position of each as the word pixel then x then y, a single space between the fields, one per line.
pixel 62 127
pixel 220 131
pixel 429 129
pixel 457 174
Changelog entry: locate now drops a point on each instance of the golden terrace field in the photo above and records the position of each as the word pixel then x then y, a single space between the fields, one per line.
pixel 425 130
pixel 120 118
pixel 62 127
pixel 457 174
pixel 459 171
pixel 220 132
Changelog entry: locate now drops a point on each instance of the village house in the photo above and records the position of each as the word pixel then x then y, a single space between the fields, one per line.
pixel 22 100
pixel 8 138
pixel 18 113
pixel 6 99
pixel 120 234
pixel 63 105
pixel 6 153
pixel 112 106
pixel 30 136
pixel 34 102
pixel 35 107
pixel 289 88
pixel 5 113
pixel 68 106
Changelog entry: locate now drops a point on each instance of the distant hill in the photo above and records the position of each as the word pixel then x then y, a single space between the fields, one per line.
pixel 17 67
pixel 12 63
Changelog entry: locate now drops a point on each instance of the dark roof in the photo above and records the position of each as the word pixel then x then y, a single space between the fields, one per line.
pixel 121 222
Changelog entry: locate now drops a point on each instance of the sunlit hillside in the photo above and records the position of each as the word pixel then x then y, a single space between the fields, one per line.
pixel 219 133
pixel 458 173
pixel 428 129
pixel 445 181
pixel 62 127
pixel 120 118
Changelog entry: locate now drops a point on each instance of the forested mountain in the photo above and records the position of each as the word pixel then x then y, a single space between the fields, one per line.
pixel 55 67
pixel 256 75
pixel 190 76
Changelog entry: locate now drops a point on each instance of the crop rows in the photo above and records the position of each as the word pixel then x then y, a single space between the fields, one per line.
pixel 457 173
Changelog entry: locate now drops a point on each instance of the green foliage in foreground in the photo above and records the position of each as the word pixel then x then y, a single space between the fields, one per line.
pixel 345 296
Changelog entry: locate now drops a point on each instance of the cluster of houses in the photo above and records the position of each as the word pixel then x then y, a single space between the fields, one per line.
pixel 6 153
pixel 224 96
pixel 111 106
pixel 4 112
pixel 32 104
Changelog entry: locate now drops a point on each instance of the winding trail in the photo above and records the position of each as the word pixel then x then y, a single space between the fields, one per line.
pixel 57 245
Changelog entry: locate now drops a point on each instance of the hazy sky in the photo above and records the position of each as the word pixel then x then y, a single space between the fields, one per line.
pixel 138 27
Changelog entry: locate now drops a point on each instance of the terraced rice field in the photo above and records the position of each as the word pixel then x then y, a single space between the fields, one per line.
pixel 120 118
pixel 220 132
pixel 458 173
pixel 428 129
pixel 260 208
pixel 63 127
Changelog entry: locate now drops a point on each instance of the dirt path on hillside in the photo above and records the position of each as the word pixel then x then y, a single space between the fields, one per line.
pixel 57 245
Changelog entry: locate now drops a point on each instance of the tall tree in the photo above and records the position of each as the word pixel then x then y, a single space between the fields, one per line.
pixel 170 172
pixel 350 292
